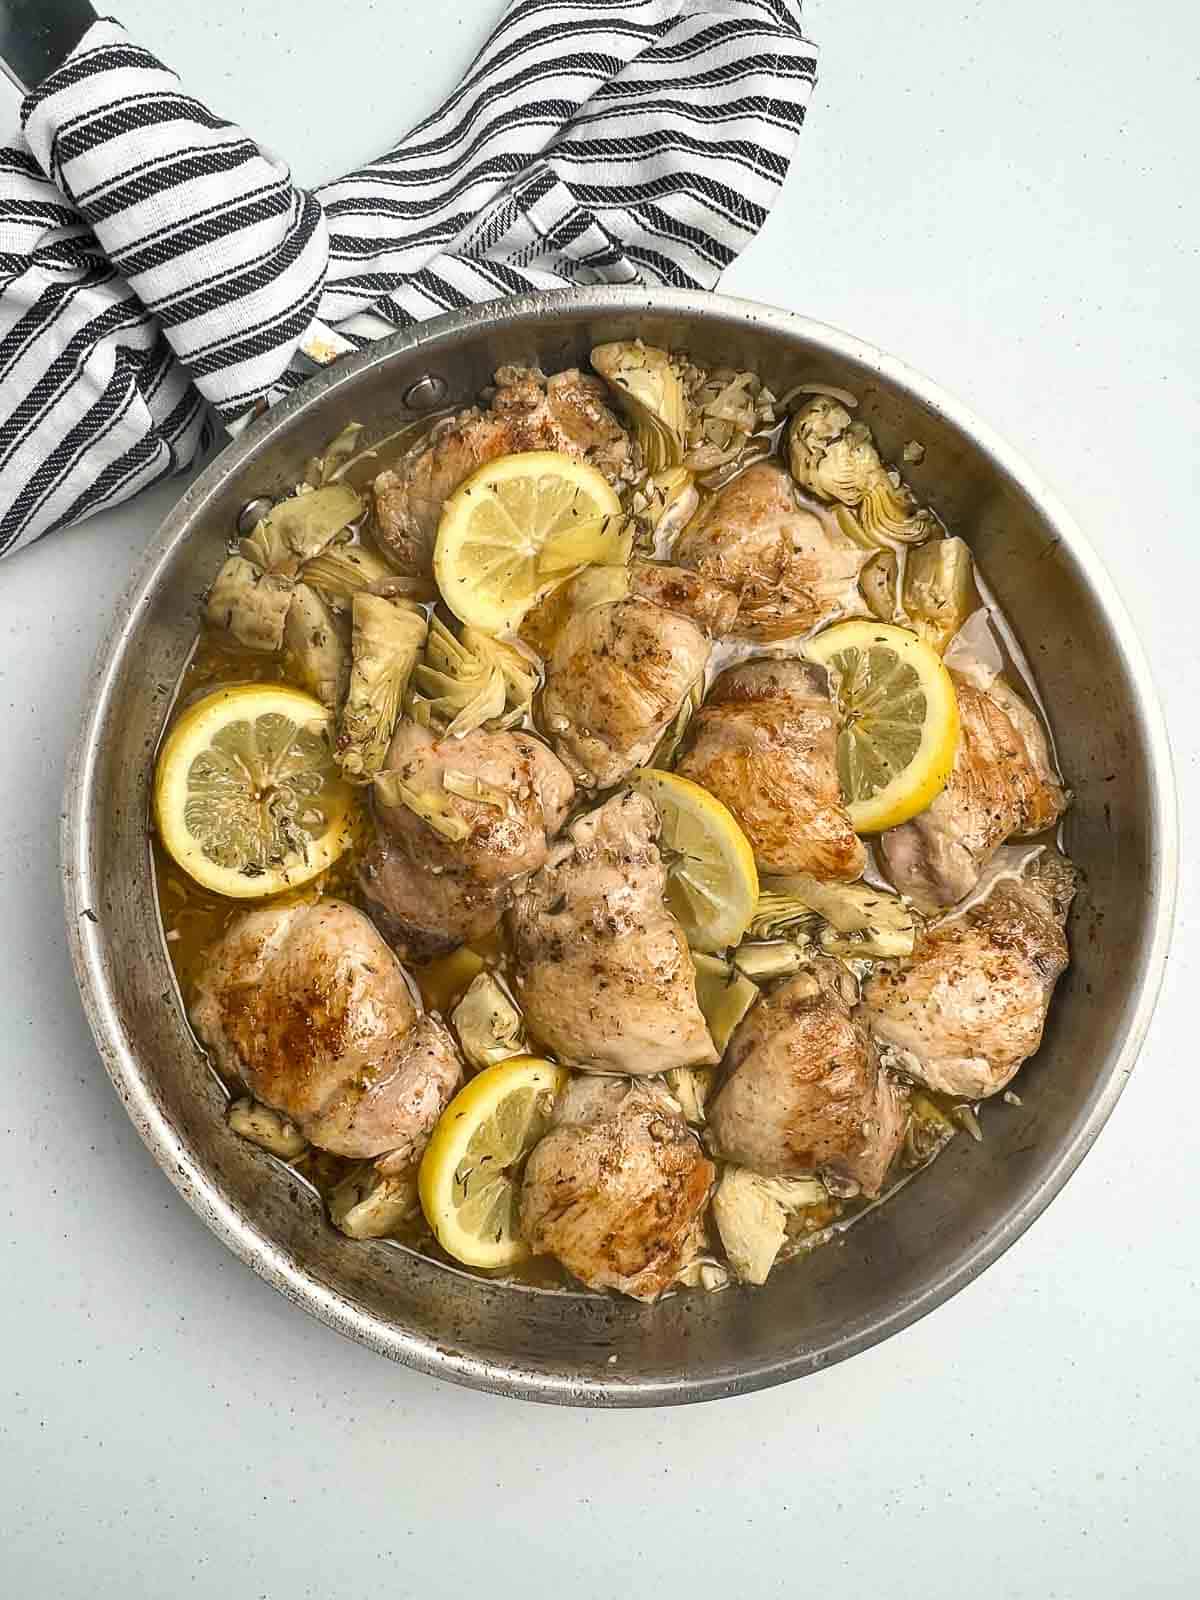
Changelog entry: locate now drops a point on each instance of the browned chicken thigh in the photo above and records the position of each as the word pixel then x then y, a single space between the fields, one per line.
pixel 803 1091
pixel 619 671
pixel 617 1188
pixel 308 1006
pixel 1002 784
pixel 969 1007
pixel 429 892
pixel 566 413
pixel 764 742
pixel 789 569
pixel 604 975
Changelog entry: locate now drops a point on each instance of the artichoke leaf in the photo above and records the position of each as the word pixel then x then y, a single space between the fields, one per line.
pixel 662 507
pixel 468 787
pixel 650 389
pixel 431 805
pixel 326 468
pixel 842 919
pixel 668 746
pixel 250 604
pixel 594 586
pixel 318 644
pixel 387 638
pixel 489 1026
pixel 929 1130
pixel 299 528
pixel 704 1273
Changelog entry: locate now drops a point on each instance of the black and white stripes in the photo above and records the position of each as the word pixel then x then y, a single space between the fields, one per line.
pixel 154 262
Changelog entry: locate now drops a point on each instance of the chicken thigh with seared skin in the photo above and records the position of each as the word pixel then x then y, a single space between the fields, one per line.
pixel 617 1188
pixel 765 743
pixel 566 413
pixel 604 976
pixel 1003 783
pixel 308 1006
pixel 619 671
pixel 969 1007
pixel 429 893
pixel 789 569
pixel 803 1092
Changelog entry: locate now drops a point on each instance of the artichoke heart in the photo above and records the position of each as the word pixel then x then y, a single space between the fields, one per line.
pixel 370 1204
pixel 835 458
pixel 249 604
pixel 488 1024
pixel 343 570
pixel 662 507
pixel 842 919
pixel 319 646
pixel 268 1129
pixel 252 595
pixel 651 391
pixel 461 684
pixel 751 1214
pixel 939 591
pixel 387 638
pixel 878 584
pixel 299 528
pixel 929 1131
pixel 763 963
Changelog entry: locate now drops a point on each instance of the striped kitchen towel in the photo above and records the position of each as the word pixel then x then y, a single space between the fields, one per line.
pixel 161 275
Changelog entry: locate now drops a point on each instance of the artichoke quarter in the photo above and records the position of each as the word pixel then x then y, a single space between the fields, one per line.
pixel 388 635
pixel 836 459
pixel 252 595
pixel 649 388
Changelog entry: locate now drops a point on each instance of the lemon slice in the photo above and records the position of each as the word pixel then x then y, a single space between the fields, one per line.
pixel 519 526
pixel 712 882
pixel 247 797
pixel 899 720
pixel 470 1178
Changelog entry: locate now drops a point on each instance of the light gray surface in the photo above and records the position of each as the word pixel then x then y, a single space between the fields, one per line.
pixel 1005 197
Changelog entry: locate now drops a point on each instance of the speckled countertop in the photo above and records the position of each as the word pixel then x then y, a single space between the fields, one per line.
pixel 1004 195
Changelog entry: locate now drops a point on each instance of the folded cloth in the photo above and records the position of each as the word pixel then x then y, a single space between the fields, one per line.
pixel 161 273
